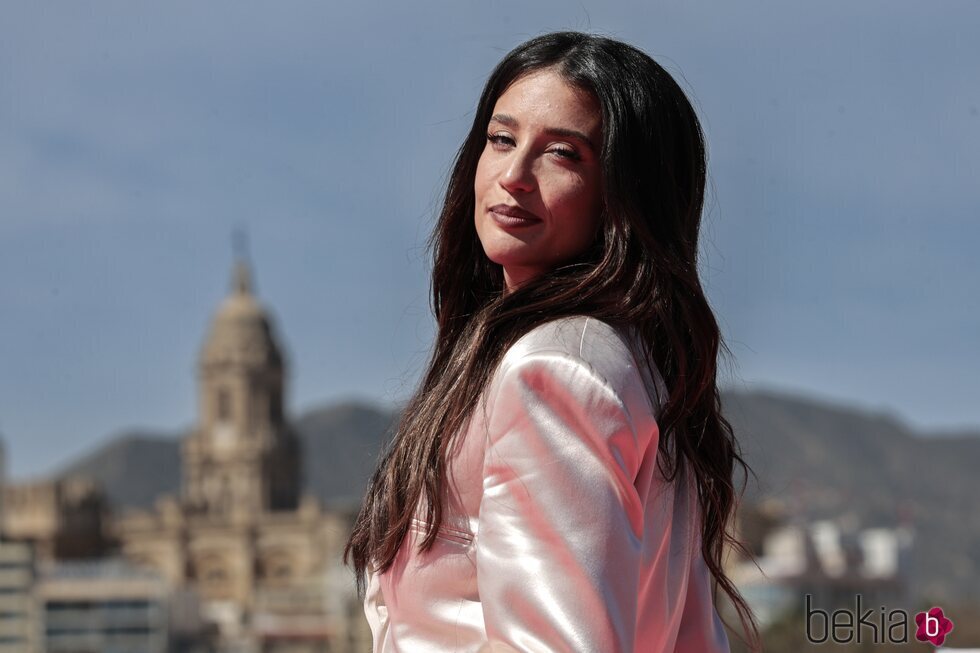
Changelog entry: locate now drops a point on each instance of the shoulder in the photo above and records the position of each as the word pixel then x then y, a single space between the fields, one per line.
pixel 582 338
pixel 611 354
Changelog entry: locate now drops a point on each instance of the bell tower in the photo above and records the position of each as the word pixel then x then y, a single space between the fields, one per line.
pixel 242 458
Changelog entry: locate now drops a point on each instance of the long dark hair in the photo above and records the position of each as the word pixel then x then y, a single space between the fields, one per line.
pixel 641 270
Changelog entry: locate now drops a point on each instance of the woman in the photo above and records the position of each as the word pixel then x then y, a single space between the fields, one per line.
pixel 562 479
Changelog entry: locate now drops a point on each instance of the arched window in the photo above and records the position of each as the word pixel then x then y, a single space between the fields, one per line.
pixel 275 567
pixel 211 575
pixel 224 404
pixel 275 408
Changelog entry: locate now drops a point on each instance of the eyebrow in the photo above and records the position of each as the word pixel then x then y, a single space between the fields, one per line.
pixel 511 121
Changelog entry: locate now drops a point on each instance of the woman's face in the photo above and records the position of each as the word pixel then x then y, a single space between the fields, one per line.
pixel 538 183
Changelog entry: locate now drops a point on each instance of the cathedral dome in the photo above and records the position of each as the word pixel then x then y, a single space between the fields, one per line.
pixel 241 330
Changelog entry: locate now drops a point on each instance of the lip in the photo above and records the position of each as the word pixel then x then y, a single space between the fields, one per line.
pixel 512 216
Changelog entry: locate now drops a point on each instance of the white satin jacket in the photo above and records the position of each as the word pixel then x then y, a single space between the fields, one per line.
pixel 559 533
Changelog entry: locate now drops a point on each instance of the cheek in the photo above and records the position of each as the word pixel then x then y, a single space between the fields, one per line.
pixel 572 202
pixel 481 178
pixel 575 206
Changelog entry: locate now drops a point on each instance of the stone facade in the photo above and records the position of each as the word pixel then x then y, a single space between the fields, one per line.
pixel 64 519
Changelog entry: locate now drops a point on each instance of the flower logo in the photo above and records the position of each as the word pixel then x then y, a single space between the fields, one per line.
pixel 932 626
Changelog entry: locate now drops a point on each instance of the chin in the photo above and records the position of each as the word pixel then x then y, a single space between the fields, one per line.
pixel 510 258
pixel 506 250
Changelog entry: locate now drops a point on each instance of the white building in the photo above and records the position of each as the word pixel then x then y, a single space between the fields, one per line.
pixel 829 562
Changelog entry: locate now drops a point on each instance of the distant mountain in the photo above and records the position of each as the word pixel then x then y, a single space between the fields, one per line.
pixel 824 460
pixel 134 468
pixel 341 445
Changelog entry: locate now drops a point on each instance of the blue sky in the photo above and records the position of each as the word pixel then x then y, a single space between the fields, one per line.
pixel 840 229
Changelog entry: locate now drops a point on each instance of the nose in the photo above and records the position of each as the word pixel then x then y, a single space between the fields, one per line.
pixel 517 175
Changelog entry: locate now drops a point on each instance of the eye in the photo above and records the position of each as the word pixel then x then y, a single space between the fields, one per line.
pixel 565 153
pixel 500 139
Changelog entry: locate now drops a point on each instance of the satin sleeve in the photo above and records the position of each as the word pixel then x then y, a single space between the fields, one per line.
pixel 376 612
pixel 560 521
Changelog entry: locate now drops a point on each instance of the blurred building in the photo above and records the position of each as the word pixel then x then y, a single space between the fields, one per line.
pixel 63 519
pixel 18 617
pixel 19 624
pixel 833 561
pixel 263 560
pixel 102 606
pixel 240 534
